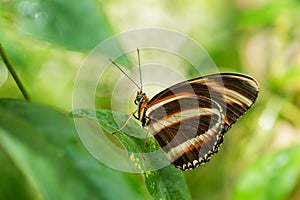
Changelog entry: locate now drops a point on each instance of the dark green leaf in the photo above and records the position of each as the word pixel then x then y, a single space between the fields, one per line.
pixel 165 183
pixel 46 158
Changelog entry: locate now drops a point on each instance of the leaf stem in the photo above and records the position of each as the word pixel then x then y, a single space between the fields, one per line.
pixel 13 73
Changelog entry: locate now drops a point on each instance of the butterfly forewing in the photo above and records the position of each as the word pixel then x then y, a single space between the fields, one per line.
pixel 190 118
pixel 235 93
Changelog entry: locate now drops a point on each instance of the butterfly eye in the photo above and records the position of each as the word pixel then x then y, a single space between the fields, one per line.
pixel 138 98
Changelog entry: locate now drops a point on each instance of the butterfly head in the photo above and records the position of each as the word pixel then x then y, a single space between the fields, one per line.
pixel 140 97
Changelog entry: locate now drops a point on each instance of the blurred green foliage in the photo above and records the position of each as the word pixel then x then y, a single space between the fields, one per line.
pixel 41 156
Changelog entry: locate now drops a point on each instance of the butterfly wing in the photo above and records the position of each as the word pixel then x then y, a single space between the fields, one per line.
pixel 190 118
pixel 189 134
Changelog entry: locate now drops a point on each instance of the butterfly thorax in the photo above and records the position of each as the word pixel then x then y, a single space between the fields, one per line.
pixel 141 101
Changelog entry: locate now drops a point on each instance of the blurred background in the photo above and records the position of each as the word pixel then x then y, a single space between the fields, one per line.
pixel 47 41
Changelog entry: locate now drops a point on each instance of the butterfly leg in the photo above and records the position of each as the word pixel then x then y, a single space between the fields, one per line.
pixel 126 122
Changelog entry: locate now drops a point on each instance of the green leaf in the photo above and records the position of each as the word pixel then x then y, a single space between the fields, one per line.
pixel 272 177
pixel 165 183
pixel 42 158
pixel 79 25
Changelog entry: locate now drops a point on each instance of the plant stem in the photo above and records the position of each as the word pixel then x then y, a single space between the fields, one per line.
pixel 13 73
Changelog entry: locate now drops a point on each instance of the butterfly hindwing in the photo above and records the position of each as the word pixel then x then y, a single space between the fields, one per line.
pixel 187 136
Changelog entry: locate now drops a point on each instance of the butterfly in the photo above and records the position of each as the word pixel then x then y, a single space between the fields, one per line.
pixel 190 118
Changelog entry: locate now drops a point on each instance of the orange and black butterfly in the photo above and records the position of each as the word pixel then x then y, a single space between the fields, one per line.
pixel 189 119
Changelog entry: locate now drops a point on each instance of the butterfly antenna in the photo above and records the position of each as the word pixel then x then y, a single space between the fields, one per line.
pixel 140 68
pixel 113 62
